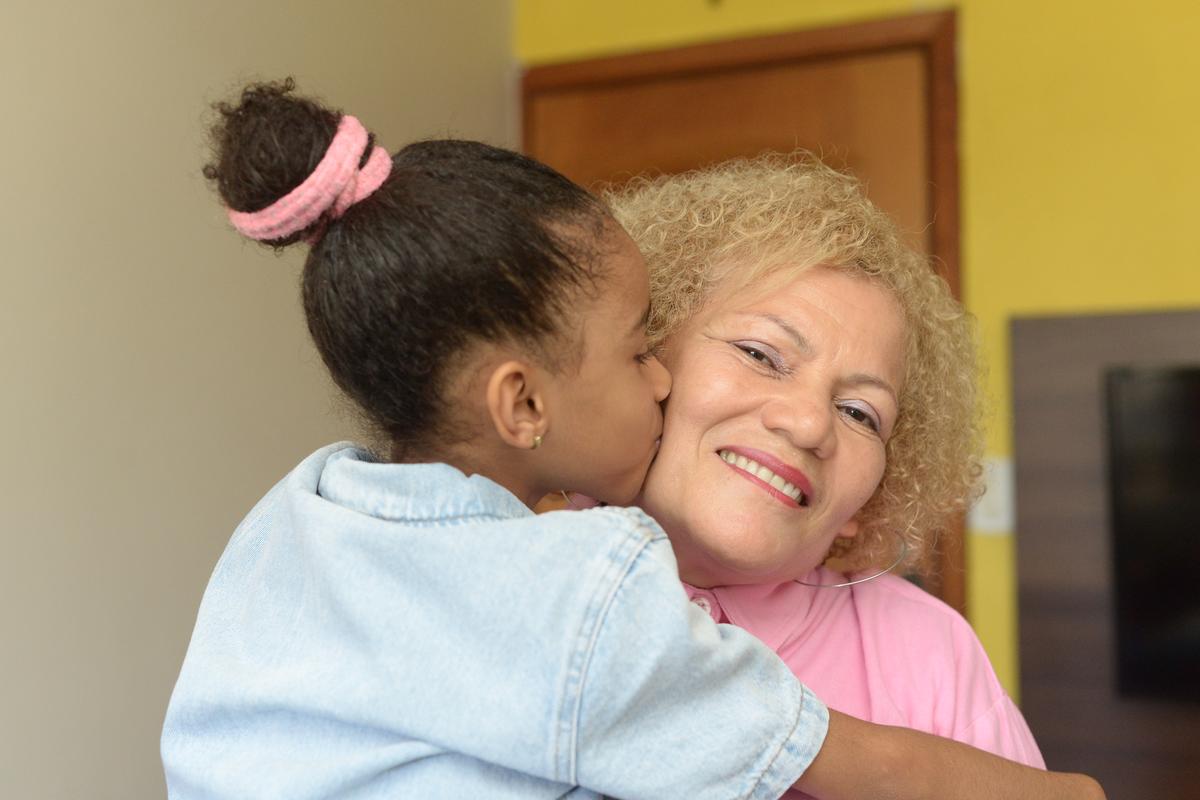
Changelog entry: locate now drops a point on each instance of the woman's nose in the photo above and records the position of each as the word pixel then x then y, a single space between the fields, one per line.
pixel 660 379
pixel 806 424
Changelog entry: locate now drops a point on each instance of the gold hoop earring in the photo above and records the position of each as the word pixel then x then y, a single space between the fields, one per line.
pixel 537 442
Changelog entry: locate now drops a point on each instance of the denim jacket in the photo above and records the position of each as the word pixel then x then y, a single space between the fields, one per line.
pixel 404 630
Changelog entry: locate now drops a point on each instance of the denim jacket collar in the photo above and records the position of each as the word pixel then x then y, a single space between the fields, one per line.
pixel 351 478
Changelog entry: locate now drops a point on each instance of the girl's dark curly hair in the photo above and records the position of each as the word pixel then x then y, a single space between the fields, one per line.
pixel 464 242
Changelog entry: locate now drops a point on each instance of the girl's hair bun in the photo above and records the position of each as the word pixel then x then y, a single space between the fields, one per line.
pixel 454 243
pixel 266 144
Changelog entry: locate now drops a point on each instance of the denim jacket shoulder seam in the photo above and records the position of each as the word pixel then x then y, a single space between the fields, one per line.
pixel 267 506
pixel 482 516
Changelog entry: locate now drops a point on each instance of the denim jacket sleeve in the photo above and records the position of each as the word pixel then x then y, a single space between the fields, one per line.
pixel 673 705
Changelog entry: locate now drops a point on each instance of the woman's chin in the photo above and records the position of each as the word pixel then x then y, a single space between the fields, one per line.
pixel 728 569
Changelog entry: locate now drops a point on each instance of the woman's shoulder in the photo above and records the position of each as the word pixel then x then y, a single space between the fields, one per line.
pixel 935 671
pixel 896 606
pixel 895 589
pixel 901 622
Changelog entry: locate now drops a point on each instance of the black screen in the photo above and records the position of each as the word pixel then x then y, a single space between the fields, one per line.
pixel 1154 473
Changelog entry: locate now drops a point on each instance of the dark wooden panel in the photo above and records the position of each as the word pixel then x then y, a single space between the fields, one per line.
pixel 1136 748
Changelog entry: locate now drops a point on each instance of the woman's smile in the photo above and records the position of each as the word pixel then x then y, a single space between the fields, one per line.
pixel 783 482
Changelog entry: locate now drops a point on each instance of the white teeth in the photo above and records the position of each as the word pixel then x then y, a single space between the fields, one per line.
pixel 762 473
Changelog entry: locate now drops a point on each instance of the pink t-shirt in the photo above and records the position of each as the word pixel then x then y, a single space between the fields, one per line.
pixel 883 651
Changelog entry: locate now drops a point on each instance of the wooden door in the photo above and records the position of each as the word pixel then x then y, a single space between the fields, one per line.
pixel 877 98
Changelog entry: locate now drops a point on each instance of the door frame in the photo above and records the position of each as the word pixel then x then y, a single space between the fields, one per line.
pixel 933 33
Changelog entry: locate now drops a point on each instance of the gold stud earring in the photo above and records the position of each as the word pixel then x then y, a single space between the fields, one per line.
pixel 537 442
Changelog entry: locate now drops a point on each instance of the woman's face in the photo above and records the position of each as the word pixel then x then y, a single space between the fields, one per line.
pixel 774 434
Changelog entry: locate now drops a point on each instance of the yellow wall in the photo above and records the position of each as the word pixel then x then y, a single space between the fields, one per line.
pixel 1080 166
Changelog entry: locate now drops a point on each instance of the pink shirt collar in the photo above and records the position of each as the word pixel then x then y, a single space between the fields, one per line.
pixel 776 614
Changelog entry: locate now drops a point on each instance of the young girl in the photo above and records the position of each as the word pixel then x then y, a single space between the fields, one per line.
pixel 405 626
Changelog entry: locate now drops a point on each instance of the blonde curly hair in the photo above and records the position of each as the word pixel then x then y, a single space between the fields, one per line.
pixel 762 222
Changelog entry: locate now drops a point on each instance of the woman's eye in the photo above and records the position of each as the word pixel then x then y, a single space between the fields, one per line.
pixel 861 415
pixel 760 353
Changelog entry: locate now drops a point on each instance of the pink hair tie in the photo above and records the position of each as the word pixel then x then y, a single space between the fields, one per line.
pixel 336 184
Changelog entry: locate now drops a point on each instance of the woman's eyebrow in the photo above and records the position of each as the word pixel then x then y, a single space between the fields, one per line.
pixel 865 378
pixel 796 336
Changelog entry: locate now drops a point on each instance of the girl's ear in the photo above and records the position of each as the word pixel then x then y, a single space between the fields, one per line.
pixel 516 404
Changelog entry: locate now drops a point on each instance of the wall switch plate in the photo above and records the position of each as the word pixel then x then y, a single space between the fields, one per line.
pixel 995 513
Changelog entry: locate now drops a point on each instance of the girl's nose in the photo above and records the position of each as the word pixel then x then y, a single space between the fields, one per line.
pixel 660 379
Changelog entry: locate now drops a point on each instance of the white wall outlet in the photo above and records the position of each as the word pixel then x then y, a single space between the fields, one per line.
pixel 996 513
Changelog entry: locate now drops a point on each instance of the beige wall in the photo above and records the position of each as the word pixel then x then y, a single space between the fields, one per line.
pixel 156 371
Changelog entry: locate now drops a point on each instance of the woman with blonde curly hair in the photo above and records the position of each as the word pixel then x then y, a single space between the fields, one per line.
pixel 823 428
